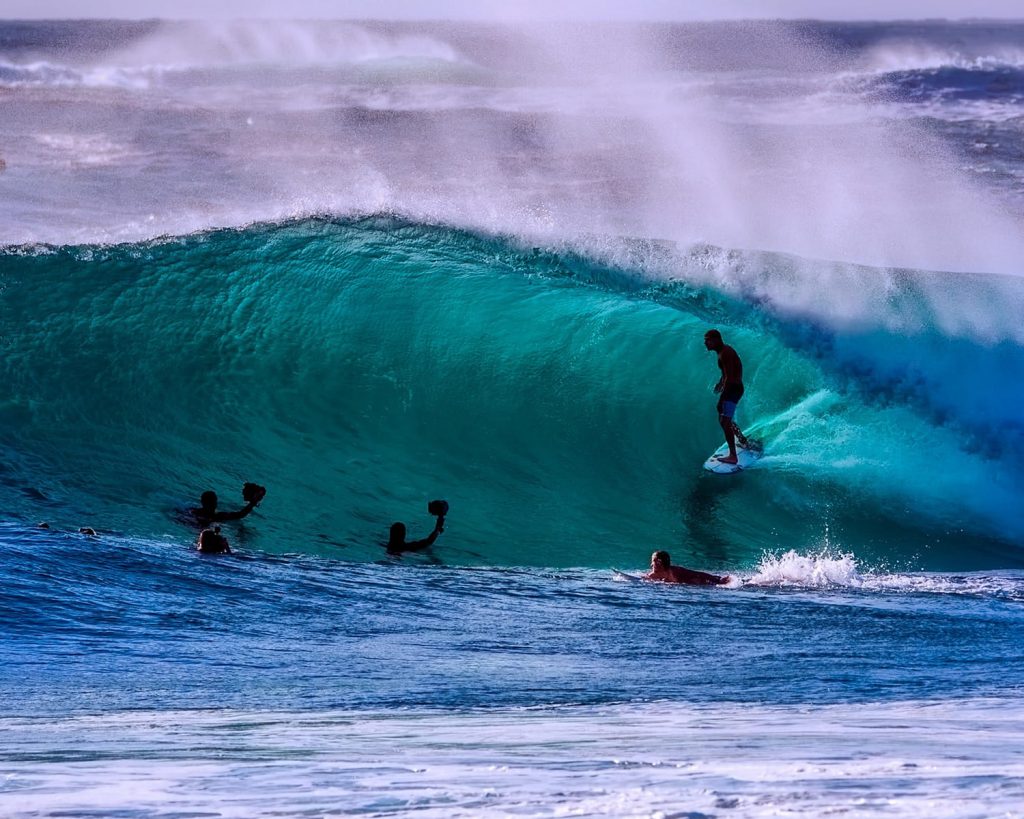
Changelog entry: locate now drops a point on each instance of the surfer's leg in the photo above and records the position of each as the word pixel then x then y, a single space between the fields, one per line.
pixel 741 439
pixel 730 438
pixel 750 444
pixel 726 411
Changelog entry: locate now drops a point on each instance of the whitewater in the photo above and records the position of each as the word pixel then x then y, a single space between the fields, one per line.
pixel 373 264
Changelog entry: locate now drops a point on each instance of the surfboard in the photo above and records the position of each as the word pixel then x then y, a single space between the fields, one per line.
pixel 745 458
pixel 626 576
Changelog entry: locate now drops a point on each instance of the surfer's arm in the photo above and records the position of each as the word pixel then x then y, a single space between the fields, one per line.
pixel 428 541
pixel 241 513
pixel 419 545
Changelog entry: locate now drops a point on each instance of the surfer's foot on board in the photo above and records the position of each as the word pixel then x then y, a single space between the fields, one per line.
pixel 727 459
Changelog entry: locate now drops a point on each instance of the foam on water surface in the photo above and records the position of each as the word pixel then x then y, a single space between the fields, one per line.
pixel 907 759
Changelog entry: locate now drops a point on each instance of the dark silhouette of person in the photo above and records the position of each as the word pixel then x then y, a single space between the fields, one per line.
pixel 397 543
pixel 206 513
pixel 212 542
pixel 730 390
pixel 663 571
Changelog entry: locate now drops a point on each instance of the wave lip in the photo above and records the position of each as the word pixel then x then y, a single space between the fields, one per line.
pixel 192 45
pixel 196 48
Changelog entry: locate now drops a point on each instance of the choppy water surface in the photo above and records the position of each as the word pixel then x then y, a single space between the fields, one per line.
pixel 263 685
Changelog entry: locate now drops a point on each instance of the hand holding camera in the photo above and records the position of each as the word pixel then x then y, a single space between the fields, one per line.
pixel 439 509
pixel 253 493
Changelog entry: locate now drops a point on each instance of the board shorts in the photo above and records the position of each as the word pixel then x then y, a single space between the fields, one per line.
pixel 727 401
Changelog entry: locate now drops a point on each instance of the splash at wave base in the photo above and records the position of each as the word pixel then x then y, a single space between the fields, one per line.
pixel 560 400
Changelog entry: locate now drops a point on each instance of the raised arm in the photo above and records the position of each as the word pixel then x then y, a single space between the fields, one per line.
pixel 252 494
pixel 241 513
pixel 428 541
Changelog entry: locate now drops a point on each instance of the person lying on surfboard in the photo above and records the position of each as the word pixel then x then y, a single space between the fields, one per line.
pixel 663 571
pixel 730 391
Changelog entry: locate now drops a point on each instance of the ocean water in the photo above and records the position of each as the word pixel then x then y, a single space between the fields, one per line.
pixel 372 264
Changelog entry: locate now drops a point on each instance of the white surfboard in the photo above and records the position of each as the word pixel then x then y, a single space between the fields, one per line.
pixel 745 458
pixel 631 578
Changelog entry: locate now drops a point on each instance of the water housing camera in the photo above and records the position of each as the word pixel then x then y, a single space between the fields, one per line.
pixel 253 493
pixel 438 508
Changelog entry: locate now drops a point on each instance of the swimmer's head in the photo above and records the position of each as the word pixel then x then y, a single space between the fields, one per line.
pixel 211 540
pixel 397 533
pixel 208 500
pixel 660 560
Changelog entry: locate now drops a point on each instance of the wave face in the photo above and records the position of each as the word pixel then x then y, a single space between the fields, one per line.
pixel 560 402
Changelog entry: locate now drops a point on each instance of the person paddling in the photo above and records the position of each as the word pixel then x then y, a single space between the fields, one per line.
pixel 662 570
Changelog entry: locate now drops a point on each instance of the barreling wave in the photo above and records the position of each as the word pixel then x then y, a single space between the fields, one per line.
pixel 560 402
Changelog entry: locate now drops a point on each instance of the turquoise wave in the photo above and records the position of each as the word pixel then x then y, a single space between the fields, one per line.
pixel 560 402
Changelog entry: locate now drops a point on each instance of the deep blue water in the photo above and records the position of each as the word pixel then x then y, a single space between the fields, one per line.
pixel 300 633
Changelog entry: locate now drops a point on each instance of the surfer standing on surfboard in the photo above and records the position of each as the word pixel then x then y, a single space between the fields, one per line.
pixel 730 391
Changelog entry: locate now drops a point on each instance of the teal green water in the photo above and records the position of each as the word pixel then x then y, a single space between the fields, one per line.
pixel 563 407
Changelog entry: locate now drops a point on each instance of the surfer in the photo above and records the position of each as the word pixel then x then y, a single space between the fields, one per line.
pixel 663 571
pixel 730 391
pixel 206 513
pixel 397 544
